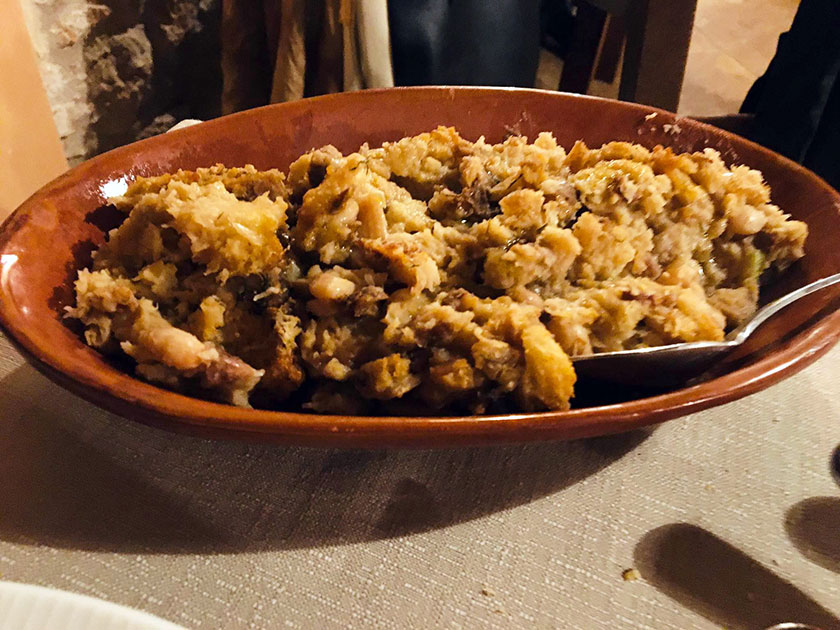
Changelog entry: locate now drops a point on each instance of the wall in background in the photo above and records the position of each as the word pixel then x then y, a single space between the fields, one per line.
pixel 118 71
pixel 31 153
pixel 57 30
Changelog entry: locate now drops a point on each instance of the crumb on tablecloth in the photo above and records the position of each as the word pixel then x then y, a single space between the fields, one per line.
pixel 630 575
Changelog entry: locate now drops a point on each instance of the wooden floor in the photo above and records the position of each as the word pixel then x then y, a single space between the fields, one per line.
pixel 731 44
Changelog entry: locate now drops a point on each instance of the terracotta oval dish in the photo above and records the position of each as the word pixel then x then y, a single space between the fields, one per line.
pixel 51 236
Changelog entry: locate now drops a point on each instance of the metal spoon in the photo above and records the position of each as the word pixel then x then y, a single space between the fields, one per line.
pixel 681 361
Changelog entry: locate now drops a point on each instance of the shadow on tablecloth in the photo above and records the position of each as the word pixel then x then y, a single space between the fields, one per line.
pixel 813 525
pixel 720 582
pixel 72 476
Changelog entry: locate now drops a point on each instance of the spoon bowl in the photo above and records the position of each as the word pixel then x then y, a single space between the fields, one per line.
pixel 679 362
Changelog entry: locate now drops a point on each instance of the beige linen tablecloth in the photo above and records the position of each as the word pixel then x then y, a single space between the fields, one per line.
pixel 729 516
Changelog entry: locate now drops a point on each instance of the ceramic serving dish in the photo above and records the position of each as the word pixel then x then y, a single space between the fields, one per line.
pixel 53 233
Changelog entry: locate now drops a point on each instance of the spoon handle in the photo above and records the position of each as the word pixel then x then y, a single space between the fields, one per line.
pixel 767 311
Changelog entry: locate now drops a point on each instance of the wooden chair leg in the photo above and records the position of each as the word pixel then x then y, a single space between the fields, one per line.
pixel 611 45
pixel 658 37
pixel 580 57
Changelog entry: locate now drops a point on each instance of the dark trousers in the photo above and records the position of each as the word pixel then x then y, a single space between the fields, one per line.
pixel 797 101
pixel 465 42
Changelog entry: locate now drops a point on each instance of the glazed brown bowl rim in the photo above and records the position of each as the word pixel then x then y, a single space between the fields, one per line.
pixel 175 411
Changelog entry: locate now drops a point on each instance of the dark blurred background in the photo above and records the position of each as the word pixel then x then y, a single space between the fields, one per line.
pixel 116 71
